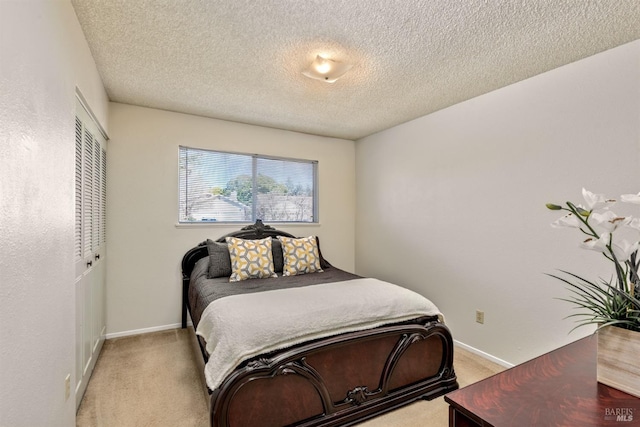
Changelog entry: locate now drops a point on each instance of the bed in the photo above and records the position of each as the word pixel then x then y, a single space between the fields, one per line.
pixel 318 371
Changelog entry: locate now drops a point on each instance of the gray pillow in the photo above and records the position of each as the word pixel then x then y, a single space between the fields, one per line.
pixel 278 257
pixel 323 262
pixel 219 259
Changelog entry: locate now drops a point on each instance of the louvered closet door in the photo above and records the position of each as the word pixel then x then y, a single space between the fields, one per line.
pixel 90 245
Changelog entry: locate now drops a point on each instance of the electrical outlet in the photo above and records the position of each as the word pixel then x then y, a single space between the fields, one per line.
pixel 479 316
pixel 67 386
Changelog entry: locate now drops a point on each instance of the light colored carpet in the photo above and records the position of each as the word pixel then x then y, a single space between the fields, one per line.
pixel 155 380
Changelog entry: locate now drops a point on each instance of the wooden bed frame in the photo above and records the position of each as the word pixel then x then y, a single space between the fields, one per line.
pixel 336 381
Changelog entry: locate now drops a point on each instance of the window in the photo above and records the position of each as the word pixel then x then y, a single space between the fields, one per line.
pixel 217 186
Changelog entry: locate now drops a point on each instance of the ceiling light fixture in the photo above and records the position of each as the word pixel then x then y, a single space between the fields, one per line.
pixel 326 69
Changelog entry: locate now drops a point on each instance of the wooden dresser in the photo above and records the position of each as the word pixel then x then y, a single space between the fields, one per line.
pixel 556 389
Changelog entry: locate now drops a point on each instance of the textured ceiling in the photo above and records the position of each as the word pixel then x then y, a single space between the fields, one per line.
pixel 242 60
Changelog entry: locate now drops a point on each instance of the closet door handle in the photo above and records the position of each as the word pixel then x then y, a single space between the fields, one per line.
pixel 97 257
pixel 89 264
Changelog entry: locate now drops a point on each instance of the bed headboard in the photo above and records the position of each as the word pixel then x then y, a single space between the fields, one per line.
pixel 250 232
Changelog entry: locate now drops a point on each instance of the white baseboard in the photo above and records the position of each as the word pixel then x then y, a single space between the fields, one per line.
pixel 483 354
pixel 146 330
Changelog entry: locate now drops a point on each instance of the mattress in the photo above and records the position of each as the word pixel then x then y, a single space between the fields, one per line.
pixel 203 291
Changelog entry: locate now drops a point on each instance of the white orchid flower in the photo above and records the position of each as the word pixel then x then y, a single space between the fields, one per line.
pixel 631 198
pixel 634 223
pixel 569 220
pixel 623 249
pixel 595 201
pixel 598 245
pixel 608 220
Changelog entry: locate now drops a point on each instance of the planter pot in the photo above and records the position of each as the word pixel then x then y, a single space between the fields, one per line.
pixel 618 359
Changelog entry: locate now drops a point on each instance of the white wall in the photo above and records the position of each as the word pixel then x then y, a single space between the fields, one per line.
pixel 144 245
pixel 43 58
pixel 452 204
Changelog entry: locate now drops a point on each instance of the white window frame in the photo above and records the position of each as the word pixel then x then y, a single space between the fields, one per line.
pixel 254 205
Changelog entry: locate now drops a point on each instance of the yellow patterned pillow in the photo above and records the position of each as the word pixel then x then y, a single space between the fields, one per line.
pixel 250 259
pixel 301 255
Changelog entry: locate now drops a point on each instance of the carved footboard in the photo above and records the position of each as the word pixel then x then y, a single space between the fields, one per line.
pixel 339 381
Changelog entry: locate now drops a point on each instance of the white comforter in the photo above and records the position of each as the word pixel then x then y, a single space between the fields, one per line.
pixel 239 327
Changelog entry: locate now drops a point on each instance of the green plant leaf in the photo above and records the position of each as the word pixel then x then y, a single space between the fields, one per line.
pixel 602 304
